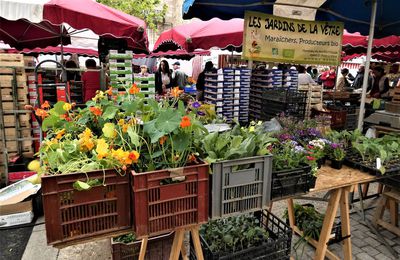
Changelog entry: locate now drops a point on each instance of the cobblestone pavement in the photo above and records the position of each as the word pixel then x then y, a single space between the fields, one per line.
pixel 365 244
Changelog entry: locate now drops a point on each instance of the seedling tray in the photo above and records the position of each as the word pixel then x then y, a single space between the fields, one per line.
pixel 277 247
pixel 76 215
pixel 354 160
pixel 160 208
pixel 240 186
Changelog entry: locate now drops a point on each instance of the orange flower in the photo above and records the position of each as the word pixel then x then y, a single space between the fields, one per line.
pixel 191 158
pixel 60 134
pixel 45 105
pixel 41 113
pixel 185 122
pixel 125 128
pixel 162 140
pixel 176 92
pixel 134 156
pixel 134 89
pixel 96 111
pixel 109 91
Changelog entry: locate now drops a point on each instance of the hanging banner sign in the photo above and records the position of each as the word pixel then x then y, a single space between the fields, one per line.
pixel 277 39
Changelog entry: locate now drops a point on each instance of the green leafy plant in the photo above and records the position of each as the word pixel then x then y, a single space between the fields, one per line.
pixel 239 142
pixel 309 221
pixel 229 235
pixel 126 239
pixel 119 132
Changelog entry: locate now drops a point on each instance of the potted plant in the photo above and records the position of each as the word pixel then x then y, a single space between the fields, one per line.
pixel 292 168
pixel 337 155
pixel 84 166
pixel 241 167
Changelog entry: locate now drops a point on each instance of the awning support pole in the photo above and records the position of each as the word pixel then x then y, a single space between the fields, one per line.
pixel 367 64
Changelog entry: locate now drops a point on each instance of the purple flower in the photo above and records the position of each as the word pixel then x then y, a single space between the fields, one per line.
pixel 335 145
pixel 201 113
pixel 196 104
pixel 299 149
pixel 313 132
pixel 285 137
pixel 300 133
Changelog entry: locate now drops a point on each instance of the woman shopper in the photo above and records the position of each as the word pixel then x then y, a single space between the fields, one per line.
pixel 328 78
pixel 163 78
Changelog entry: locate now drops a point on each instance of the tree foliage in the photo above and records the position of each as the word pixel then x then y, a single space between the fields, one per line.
pixel 151 11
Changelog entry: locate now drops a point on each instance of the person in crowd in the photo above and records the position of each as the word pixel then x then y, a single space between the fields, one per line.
pixel 380 83
pixel 310 72
pixel 315 74
pixel 209 67
pixel 359 79
pixel 91 80
pixel 72 75
pixel 304 78
pixel 143 71
pixel 179 77
pixel 328 78
pixel 163 78
pixel 342 82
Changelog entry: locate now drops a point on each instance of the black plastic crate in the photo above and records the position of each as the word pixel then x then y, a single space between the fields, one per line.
pixel 285 96
pixel 277 247
pixel 157 248
pixel 291 182
pixel 391 181
pixel 351 109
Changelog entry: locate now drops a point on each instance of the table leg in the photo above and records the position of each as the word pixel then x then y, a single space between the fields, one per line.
pixel 183 252
pixel 143 248
pixel 196 242
pixel 177 244
pixel 291 213
pixel 328 224
pixel 345 219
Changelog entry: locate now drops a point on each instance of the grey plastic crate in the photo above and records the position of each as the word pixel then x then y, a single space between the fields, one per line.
pixel 240 186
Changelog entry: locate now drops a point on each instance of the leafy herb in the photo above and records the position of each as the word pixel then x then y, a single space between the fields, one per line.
pixel 126 239
pixel 233 234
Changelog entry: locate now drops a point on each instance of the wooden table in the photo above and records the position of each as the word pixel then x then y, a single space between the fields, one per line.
pixel 340 183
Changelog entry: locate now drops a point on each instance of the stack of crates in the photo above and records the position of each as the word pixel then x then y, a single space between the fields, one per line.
pixel 146 83
pixel 228 89
pixel 314 97
pixel 121 77
pixel 15 126
pixel 33 101
pixel 262 80
pixel 290 79
pixel 242 80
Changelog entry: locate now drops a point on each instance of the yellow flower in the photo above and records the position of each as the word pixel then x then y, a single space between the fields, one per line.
pixel 101 149
pixel 87 133
pixel 121 122
pixel 251 129
pixel 86 142
pixel 67 106
pixel 60 134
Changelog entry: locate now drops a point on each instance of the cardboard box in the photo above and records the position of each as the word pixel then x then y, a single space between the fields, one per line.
pixel 19 207
pixel 16 219
pixel 17 192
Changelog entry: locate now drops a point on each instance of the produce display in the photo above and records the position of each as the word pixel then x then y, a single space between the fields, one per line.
pixel 160 145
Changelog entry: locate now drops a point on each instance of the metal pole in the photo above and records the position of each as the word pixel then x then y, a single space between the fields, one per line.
pixel 62 47
pixel 367 64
